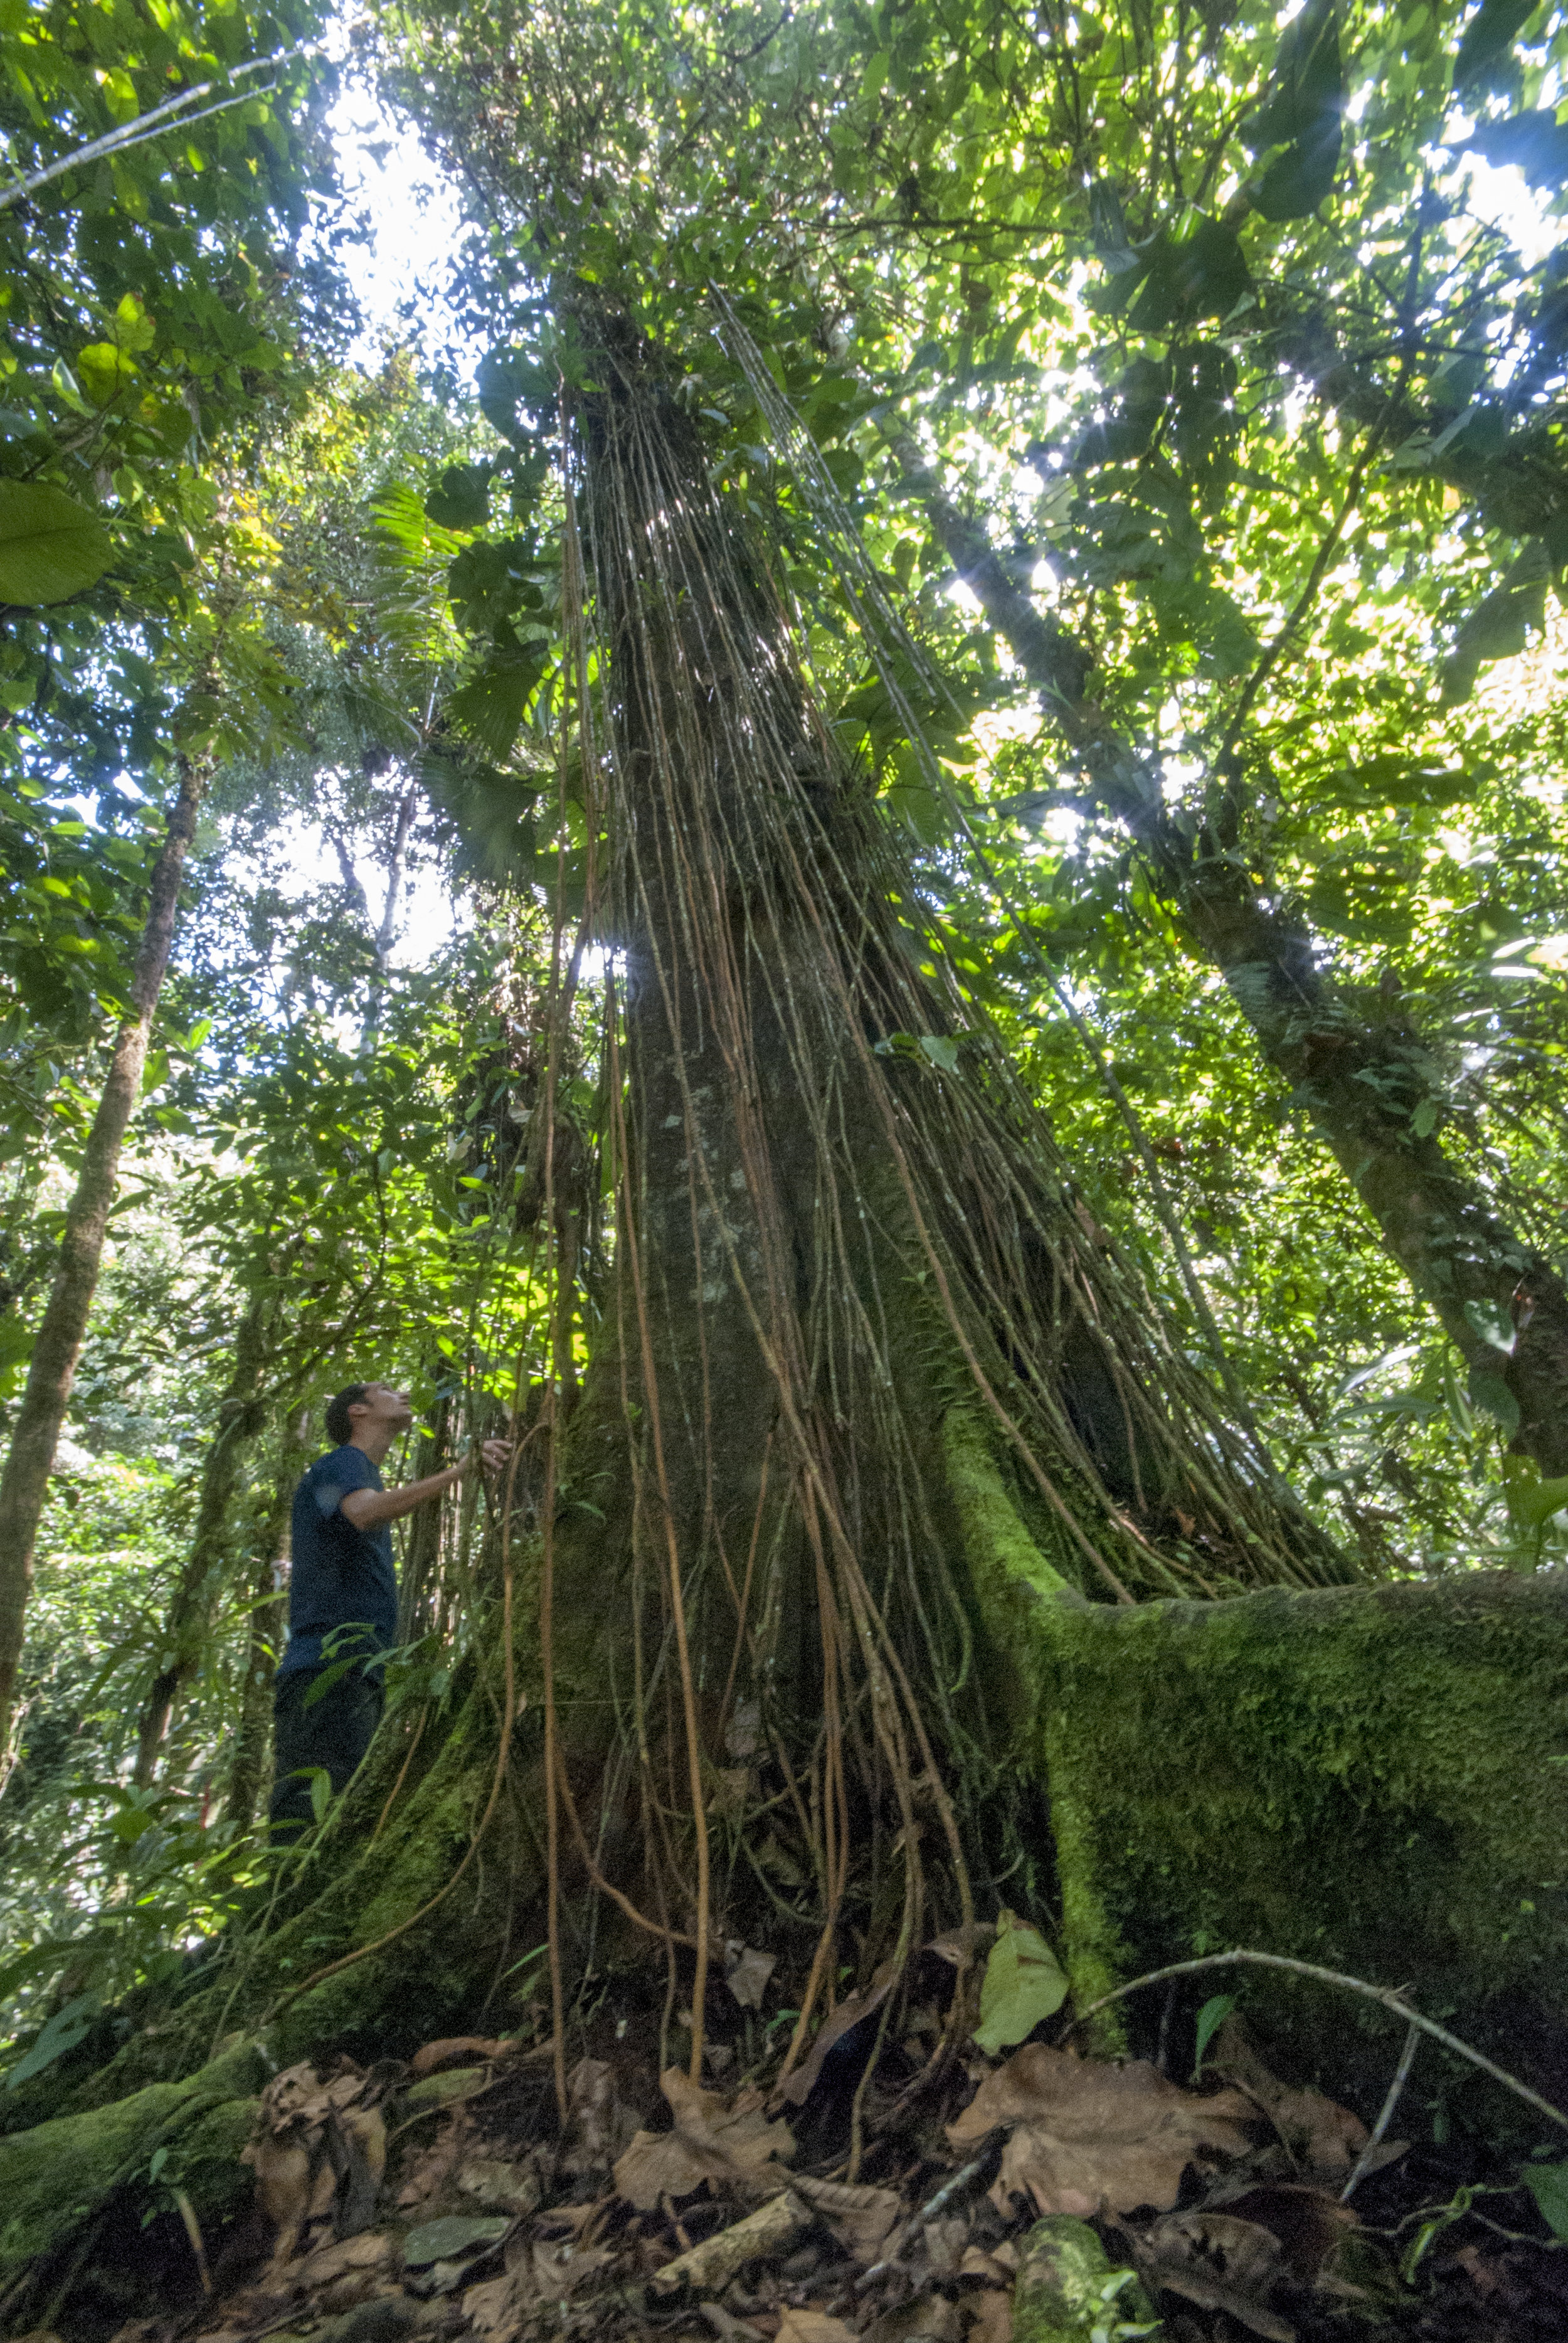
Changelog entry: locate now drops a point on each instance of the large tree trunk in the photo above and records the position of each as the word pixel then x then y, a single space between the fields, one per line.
pixel 200 1582
pixel 1360 1081
pixel 867 1389
pixel 64 1330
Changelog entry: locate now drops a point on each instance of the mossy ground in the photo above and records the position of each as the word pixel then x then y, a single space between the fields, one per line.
pixel 54 2178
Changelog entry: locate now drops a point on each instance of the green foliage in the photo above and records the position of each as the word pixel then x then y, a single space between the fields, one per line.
pixel 1196 316
pixel 1023 1983
pixel 50 548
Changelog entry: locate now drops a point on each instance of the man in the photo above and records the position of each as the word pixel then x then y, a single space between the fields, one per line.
pixel 343 1596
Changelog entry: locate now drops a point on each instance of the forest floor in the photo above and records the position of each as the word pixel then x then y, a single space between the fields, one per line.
pixel 1032 2197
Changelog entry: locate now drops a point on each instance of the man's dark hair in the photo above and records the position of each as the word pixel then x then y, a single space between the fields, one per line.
pixel 339 1423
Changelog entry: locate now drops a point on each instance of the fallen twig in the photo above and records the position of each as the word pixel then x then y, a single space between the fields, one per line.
pixel 927 2212
pixel 1385 2114
pixel 1380 1993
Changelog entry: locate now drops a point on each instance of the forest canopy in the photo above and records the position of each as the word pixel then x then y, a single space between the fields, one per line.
pixel 863 835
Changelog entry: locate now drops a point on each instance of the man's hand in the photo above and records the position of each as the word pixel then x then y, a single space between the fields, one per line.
pixel 493 1457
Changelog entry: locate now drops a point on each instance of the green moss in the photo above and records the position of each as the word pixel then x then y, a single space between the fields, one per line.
pixel 1067 2291
pixel 1009 1578
pixel 1370 1778
pixel 58 2175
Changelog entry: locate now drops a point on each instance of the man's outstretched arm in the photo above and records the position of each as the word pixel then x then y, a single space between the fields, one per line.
pixel 368 1508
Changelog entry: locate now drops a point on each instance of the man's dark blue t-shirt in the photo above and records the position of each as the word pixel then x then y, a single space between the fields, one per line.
pixel 340 1577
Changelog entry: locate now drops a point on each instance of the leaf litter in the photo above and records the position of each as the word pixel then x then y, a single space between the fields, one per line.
pixel 1044 2186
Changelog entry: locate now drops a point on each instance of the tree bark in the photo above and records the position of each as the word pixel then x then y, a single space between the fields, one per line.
pixel 268 1629
pixel 1496 1298
pixel 60 1337
pixel 201 1577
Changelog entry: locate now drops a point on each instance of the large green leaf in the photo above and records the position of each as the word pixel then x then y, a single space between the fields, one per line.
pixel 1197 271
pixel 105 373
pixel 1022 1984
pixel 1548 2184
pixel 50 547
pixel 1301 111
pixel 1501 624
pixel 1489 35
pixel 461 496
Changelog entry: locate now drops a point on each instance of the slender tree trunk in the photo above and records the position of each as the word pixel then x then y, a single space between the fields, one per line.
pixel 386 934
pixel 200 1580
pixel 1360 1081
pixel 59 1346
pixel 423 1552
pixel 268 1627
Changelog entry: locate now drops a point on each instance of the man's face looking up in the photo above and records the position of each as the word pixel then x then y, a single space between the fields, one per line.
pixel 381 1408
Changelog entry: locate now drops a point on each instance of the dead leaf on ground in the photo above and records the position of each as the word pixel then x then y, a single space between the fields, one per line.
pixel 859 2217
pixel 1322 2135
pixel 944 2243
pixel 509 2188
pixel 796 2087
pixel 560 2269
pixel 1307 2222
pixel 453 2048
pixel 978 2264
pixel 813 2327
pixel 372 2251
pixel 930 2318
pixel 1083 2132
pixel 748 1974
pixel 727 2144
pixel 496 2310
pixel 571 2220
pixel 318 2146
pixel 1220 2263
pixel 989 2316
pixel 432 2171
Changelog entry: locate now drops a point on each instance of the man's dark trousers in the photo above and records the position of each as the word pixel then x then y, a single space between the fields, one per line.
pixel 332 1733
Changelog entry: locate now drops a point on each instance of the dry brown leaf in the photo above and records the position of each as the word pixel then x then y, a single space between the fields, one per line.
pixel 859 2217
pixel 453 2048
pixel 1322 2135
pixel 432 2170
pixel 1307 2222
pixel 813 2327
pixel 1220 2263
pixel 990 2318
pixel 1085 2133
pixel 371 2251
pixel 496 2310
pixel 930 2318
pixel 944 2243
pixel 560 2269
pixel 571 2220
pixel 748 1974
pixel 591 2117
pixel 978 2264
pixel 796 2087
pixel 508 2187
pixel 731 2145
